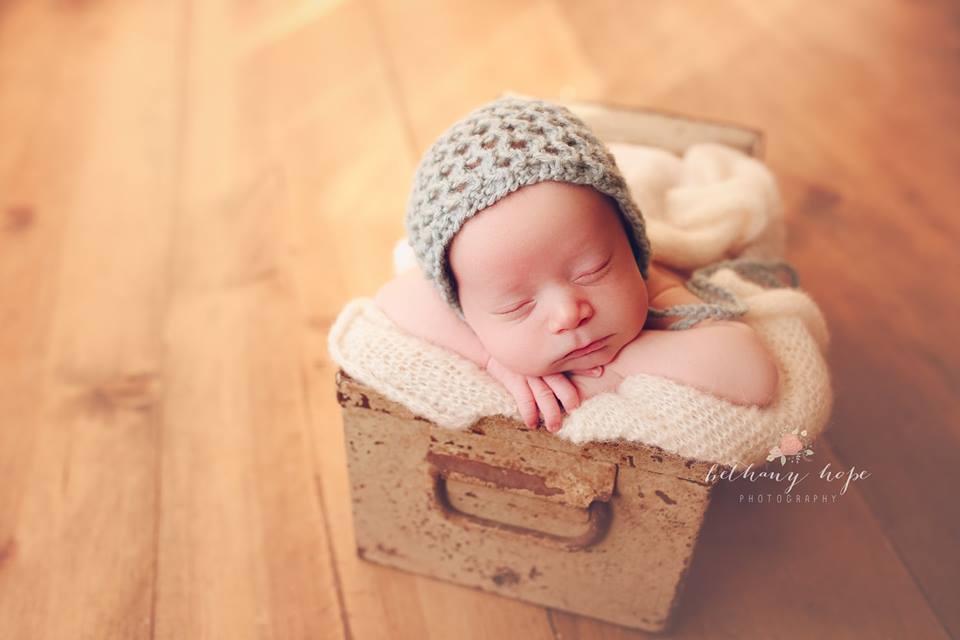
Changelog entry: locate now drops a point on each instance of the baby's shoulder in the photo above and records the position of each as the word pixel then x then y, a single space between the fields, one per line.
pixel 648 344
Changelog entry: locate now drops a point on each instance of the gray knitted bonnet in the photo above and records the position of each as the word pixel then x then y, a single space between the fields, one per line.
pixel 498 148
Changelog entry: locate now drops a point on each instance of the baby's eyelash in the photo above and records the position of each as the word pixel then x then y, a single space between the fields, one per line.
pixel 513 309
pixel 597 270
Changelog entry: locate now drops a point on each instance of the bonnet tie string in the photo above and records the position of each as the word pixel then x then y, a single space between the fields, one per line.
pixel 721 303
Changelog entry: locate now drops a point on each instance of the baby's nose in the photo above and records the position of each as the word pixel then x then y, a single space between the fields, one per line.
pixel 569 312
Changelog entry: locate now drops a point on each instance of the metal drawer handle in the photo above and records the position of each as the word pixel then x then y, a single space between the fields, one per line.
pixel 597 526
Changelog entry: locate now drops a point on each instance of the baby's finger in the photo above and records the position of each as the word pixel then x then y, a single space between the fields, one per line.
pixel 547 402
pixel 594 372
pixel 525 402
pixel 564 390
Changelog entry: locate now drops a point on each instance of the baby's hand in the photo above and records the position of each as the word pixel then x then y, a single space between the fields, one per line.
pixel 540 394
pixel 595 381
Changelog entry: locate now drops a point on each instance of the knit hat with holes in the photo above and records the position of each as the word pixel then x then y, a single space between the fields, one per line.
pixel 498 148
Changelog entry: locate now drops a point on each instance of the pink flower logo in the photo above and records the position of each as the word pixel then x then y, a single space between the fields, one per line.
pixel 791 446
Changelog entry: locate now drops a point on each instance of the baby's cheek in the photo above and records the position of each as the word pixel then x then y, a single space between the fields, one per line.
pixel 630 305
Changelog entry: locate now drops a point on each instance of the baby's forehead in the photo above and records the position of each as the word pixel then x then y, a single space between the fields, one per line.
pixel 554 213
pixel 513 255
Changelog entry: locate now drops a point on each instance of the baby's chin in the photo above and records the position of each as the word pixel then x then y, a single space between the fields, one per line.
pixel 598 358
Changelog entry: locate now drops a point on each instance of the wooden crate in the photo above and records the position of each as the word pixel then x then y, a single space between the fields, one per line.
pixel 606 530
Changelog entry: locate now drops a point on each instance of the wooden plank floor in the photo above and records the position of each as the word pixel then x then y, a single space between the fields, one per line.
pixel 190 191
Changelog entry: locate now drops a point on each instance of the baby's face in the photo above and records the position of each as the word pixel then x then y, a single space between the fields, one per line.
pixel 547 270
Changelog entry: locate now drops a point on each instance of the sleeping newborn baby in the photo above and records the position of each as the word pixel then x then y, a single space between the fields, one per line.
pixel 534 264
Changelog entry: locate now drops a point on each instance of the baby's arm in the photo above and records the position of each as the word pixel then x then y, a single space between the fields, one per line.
pixel 724 358
pixel 412 303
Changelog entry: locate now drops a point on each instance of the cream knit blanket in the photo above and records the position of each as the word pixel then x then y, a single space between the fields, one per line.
pixel 453 392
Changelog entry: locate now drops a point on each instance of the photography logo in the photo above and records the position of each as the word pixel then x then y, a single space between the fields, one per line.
pixel 786 479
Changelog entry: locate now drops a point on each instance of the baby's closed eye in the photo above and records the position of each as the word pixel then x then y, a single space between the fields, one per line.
pixel 521 308
pixel 514 308
pixel 595 273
